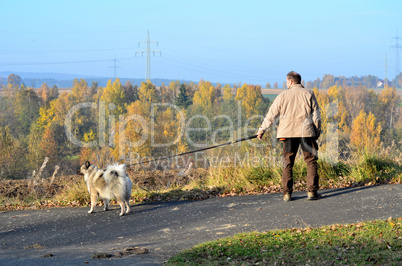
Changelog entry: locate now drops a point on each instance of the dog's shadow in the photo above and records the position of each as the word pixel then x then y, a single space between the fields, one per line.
pixel 141 207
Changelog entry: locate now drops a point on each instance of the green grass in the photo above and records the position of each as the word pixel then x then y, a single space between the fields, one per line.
pixel 376 242
pixel 271 97
pixel 370 167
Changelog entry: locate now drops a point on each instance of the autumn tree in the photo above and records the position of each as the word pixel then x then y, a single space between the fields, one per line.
pixel 147 95
pixel 251 98
pixel 114 98
pixel 170 95
pixel 134 133
pixel 168 128
pixel 94 88
pixel 327 81
pixel 165 93
pixel 317 83
pixel 206 96
pixel 309 85
pixel 389 107
pixel 44 94
pixel 12 156
pixel 81 92
pixel 26 109
pixel 398 81
pixel 227 93
pixel 323 102
pixel 131 92
pixel 49 146
pixel 365 135
pixel 54 93
pixel 14 80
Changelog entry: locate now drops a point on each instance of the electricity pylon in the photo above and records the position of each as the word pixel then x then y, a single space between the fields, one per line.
pixel 148 52
pixel 115 67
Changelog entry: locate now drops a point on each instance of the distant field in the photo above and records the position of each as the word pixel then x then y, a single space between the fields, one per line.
pixel 271 97
pixel 270 93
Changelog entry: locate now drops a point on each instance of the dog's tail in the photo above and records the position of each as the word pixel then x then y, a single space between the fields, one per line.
pixel 116 170
pixel 115 173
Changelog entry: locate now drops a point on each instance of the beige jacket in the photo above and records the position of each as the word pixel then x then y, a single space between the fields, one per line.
pixel 299 114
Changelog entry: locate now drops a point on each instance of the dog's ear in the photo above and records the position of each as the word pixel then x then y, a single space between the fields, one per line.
pixel 87 164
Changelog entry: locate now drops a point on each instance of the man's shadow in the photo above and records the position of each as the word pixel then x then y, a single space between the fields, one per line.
pixel 333 192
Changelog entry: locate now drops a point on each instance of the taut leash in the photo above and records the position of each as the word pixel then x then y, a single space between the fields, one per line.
pixel 190 152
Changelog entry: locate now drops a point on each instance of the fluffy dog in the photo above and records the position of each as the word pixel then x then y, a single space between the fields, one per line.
pixel 113 182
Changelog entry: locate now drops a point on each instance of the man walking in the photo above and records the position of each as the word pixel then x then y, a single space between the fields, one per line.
pixel 300 125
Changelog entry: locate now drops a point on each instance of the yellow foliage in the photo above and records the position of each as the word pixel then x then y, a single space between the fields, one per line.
pixel 388 95
pixel 114 94
pixel 333 92
pixel 206 95
pixel 129 136
pixel 251 98
pixel 366 131
pixel 323 102
pixel 89 137
pixel 227 93
pixel 343 117
pixel 46 116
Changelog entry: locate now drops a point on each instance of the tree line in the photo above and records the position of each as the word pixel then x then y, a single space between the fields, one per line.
pixel 329 80
pixel 121 120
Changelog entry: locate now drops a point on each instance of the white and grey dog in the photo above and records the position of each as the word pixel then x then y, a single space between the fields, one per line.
pixel 113 182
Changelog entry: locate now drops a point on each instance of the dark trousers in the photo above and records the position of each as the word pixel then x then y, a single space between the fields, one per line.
pixel 310 148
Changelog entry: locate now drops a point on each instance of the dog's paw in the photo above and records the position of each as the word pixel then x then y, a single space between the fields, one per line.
pixel 121 214
pixel 90 211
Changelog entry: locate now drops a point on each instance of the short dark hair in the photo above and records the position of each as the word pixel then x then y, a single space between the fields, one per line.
pixel 295 77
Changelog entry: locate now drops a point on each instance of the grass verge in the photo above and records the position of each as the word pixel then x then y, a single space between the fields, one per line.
pixel 376 242
pixel 216 181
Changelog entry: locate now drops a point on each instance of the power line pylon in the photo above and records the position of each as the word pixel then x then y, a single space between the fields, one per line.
pixel 396 47
pixel 115 67
pixel 148 52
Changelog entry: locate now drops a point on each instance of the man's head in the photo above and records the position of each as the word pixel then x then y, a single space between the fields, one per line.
pixel 292 78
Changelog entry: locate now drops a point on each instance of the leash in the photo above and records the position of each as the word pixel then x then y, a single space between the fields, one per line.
pixel 190 152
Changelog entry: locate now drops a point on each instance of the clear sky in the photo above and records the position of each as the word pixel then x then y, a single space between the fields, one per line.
pixel 224 41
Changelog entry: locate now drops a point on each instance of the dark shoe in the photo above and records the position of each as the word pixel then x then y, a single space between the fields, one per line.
pixel 287 197
pixel 313 196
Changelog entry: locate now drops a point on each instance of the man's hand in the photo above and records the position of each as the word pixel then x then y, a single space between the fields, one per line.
pixel 259 135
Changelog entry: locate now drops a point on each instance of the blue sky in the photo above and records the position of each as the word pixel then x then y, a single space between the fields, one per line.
pixel 250 41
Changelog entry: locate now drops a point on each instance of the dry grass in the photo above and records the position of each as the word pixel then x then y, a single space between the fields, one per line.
pixel 366 169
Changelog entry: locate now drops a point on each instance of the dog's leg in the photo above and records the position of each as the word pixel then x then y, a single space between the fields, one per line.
pixel 106 203
pixel 94 197
pixel 127 206
pixel 121 203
